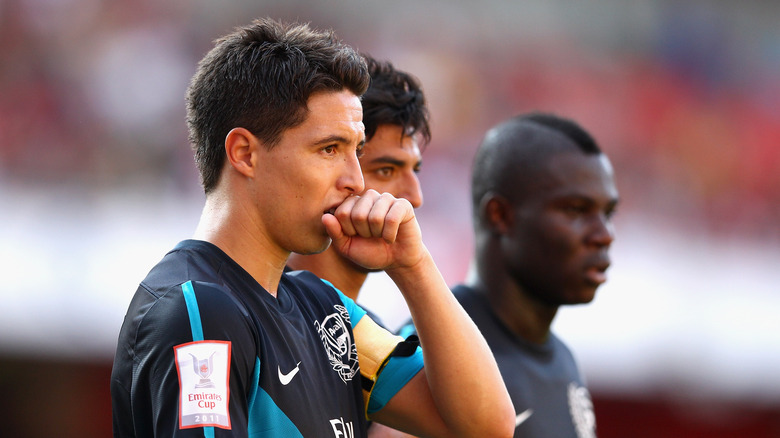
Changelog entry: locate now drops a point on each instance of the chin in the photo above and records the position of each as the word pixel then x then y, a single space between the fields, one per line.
pixel 582 295
pixel 586 296
pixel 314 249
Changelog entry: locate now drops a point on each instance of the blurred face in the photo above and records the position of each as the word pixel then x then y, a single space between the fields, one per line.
pixel 310 172
pixel 390 163
pixel 558 245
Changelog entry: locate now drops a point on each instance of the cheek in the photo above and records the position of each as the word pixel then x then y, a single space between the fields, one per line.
pixel 551 246
pixel 310 184
pixel 380 186
pixel 562 233
pixel 563 241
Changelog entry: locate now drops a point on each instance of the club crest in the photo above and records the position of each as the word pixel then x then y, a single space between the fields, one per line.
pixel 337 339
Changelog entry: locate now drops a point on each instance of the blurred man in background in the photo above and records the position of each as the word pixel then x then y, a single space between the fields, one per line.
pixel 543 196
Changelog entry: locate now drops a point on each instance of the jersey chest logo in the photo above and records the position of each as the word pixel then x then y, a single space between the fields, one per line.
pixel 581 409
pixel 337 340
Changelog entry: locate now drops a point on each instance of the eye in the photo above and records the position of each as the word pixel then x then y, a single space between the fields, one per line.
pixel 575 209
pixel 359 151
pixel 330 150
pixel 384 172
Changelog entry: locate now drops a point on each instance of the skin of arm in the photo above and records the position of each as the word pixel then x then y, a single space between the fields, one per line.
pixel 460 391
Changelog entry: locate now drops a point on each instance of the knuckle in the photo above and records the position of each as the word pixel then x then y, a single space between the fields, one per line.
pixel 387 197
pixel 376 220
pixel 342 214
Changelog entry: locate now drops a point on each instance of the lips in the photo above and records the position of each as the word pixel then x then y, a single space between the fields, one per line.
pixel 596 275
pixel 334 206
pixel 332 210
pixel 596 271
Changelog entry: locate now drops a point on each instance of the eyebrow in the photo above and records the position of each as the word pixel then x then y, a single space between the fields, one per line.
pixel 611 202
pixel 337 139
pixel 394 161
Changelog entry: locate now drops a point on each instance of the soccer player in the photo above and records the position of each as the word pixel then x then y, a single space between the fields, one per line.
pixel 219 341
pixel 543 196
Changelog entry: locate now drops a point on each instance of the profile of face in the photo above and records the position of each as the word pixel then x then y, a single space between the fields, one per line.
pixel 557 244
pixel 390 163
pixel 310 172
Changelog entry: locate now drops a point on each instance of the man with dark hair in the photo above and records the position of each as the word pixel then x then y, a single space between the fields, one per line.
pixel 219 341
pixel 543 196
pixel 396 124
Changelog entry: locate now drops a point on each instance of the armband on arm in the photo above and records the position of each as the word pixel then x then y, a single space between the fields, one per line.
pixel 375 347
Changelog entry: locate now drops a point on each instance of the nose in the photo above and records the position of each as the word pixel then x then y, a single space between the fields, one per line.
pixel 352 178
pixel 603 231
pixel 412 191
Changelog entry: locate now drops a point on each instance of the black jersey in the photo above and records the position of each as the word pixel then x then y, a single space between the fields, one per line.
pixel 205 351
pixel 544 382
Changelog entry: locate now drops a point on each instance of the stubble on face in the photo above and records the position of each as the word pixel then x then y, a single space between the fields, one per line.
pixel 311 171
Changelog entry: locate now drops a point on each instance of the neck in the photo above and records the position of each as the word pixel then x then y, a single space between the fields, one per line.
pixel 525 316
pixel 329 265
pixel 242 239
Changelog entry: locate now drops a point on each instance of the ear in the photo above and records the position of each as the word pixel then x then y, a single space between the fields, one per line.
pixel 496 213
pixel 241 147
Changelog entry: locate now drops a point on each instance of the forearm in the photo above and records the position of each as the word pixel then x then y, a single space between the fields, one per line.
pixel 462 375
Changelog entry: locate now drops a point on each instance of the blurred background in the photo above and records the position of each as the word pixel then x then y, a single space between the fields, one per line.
pixel 97 182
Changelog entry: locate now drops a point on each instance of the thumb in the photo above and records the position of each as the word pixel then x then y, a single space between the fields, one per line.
pixel 333 228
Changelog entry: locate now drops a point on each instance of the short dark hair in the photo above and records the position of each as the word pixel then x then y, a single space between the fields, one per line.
pixel 260 77
pixel 567 127
pixel 517 146
pixel 394 98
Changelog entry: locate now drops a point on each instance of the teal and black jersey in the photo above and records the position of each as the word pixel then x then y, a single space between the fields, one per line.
pixel 204 350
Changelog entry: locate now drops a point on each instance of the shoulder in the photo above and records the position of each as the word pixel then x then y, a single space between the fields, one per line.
pixel 560 347
pixel 183 289
pixel 192 277
pixel 474 303
pixel 564 355
pixel 177 314
pixel 467 295
pixel 189 260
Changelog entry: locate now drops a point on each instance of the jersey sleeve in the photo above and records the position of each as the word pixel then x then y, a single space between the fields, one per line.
pixel 387 362
pixel 195 349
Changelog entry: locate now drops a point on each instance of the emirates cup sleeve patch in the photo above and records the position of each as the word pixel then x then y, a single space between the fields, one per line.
pixel 204 383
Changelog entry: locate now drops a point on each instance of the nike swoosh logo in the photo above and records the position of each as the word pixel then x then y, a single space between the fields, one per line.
pixel 286 378
pixel 523 416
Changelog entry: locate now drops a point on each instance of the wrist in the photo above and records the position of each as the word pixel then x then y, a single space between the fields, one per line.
pixel 413 273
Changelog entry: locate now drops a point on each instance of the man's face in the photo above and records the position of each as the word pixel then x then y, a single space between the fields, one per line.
pixel 558 244
pixel 310 172
pixel 390 163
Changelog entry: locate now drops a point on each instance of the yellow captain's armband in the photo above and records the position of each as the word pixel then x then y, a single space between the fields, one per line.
pixel 374 346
